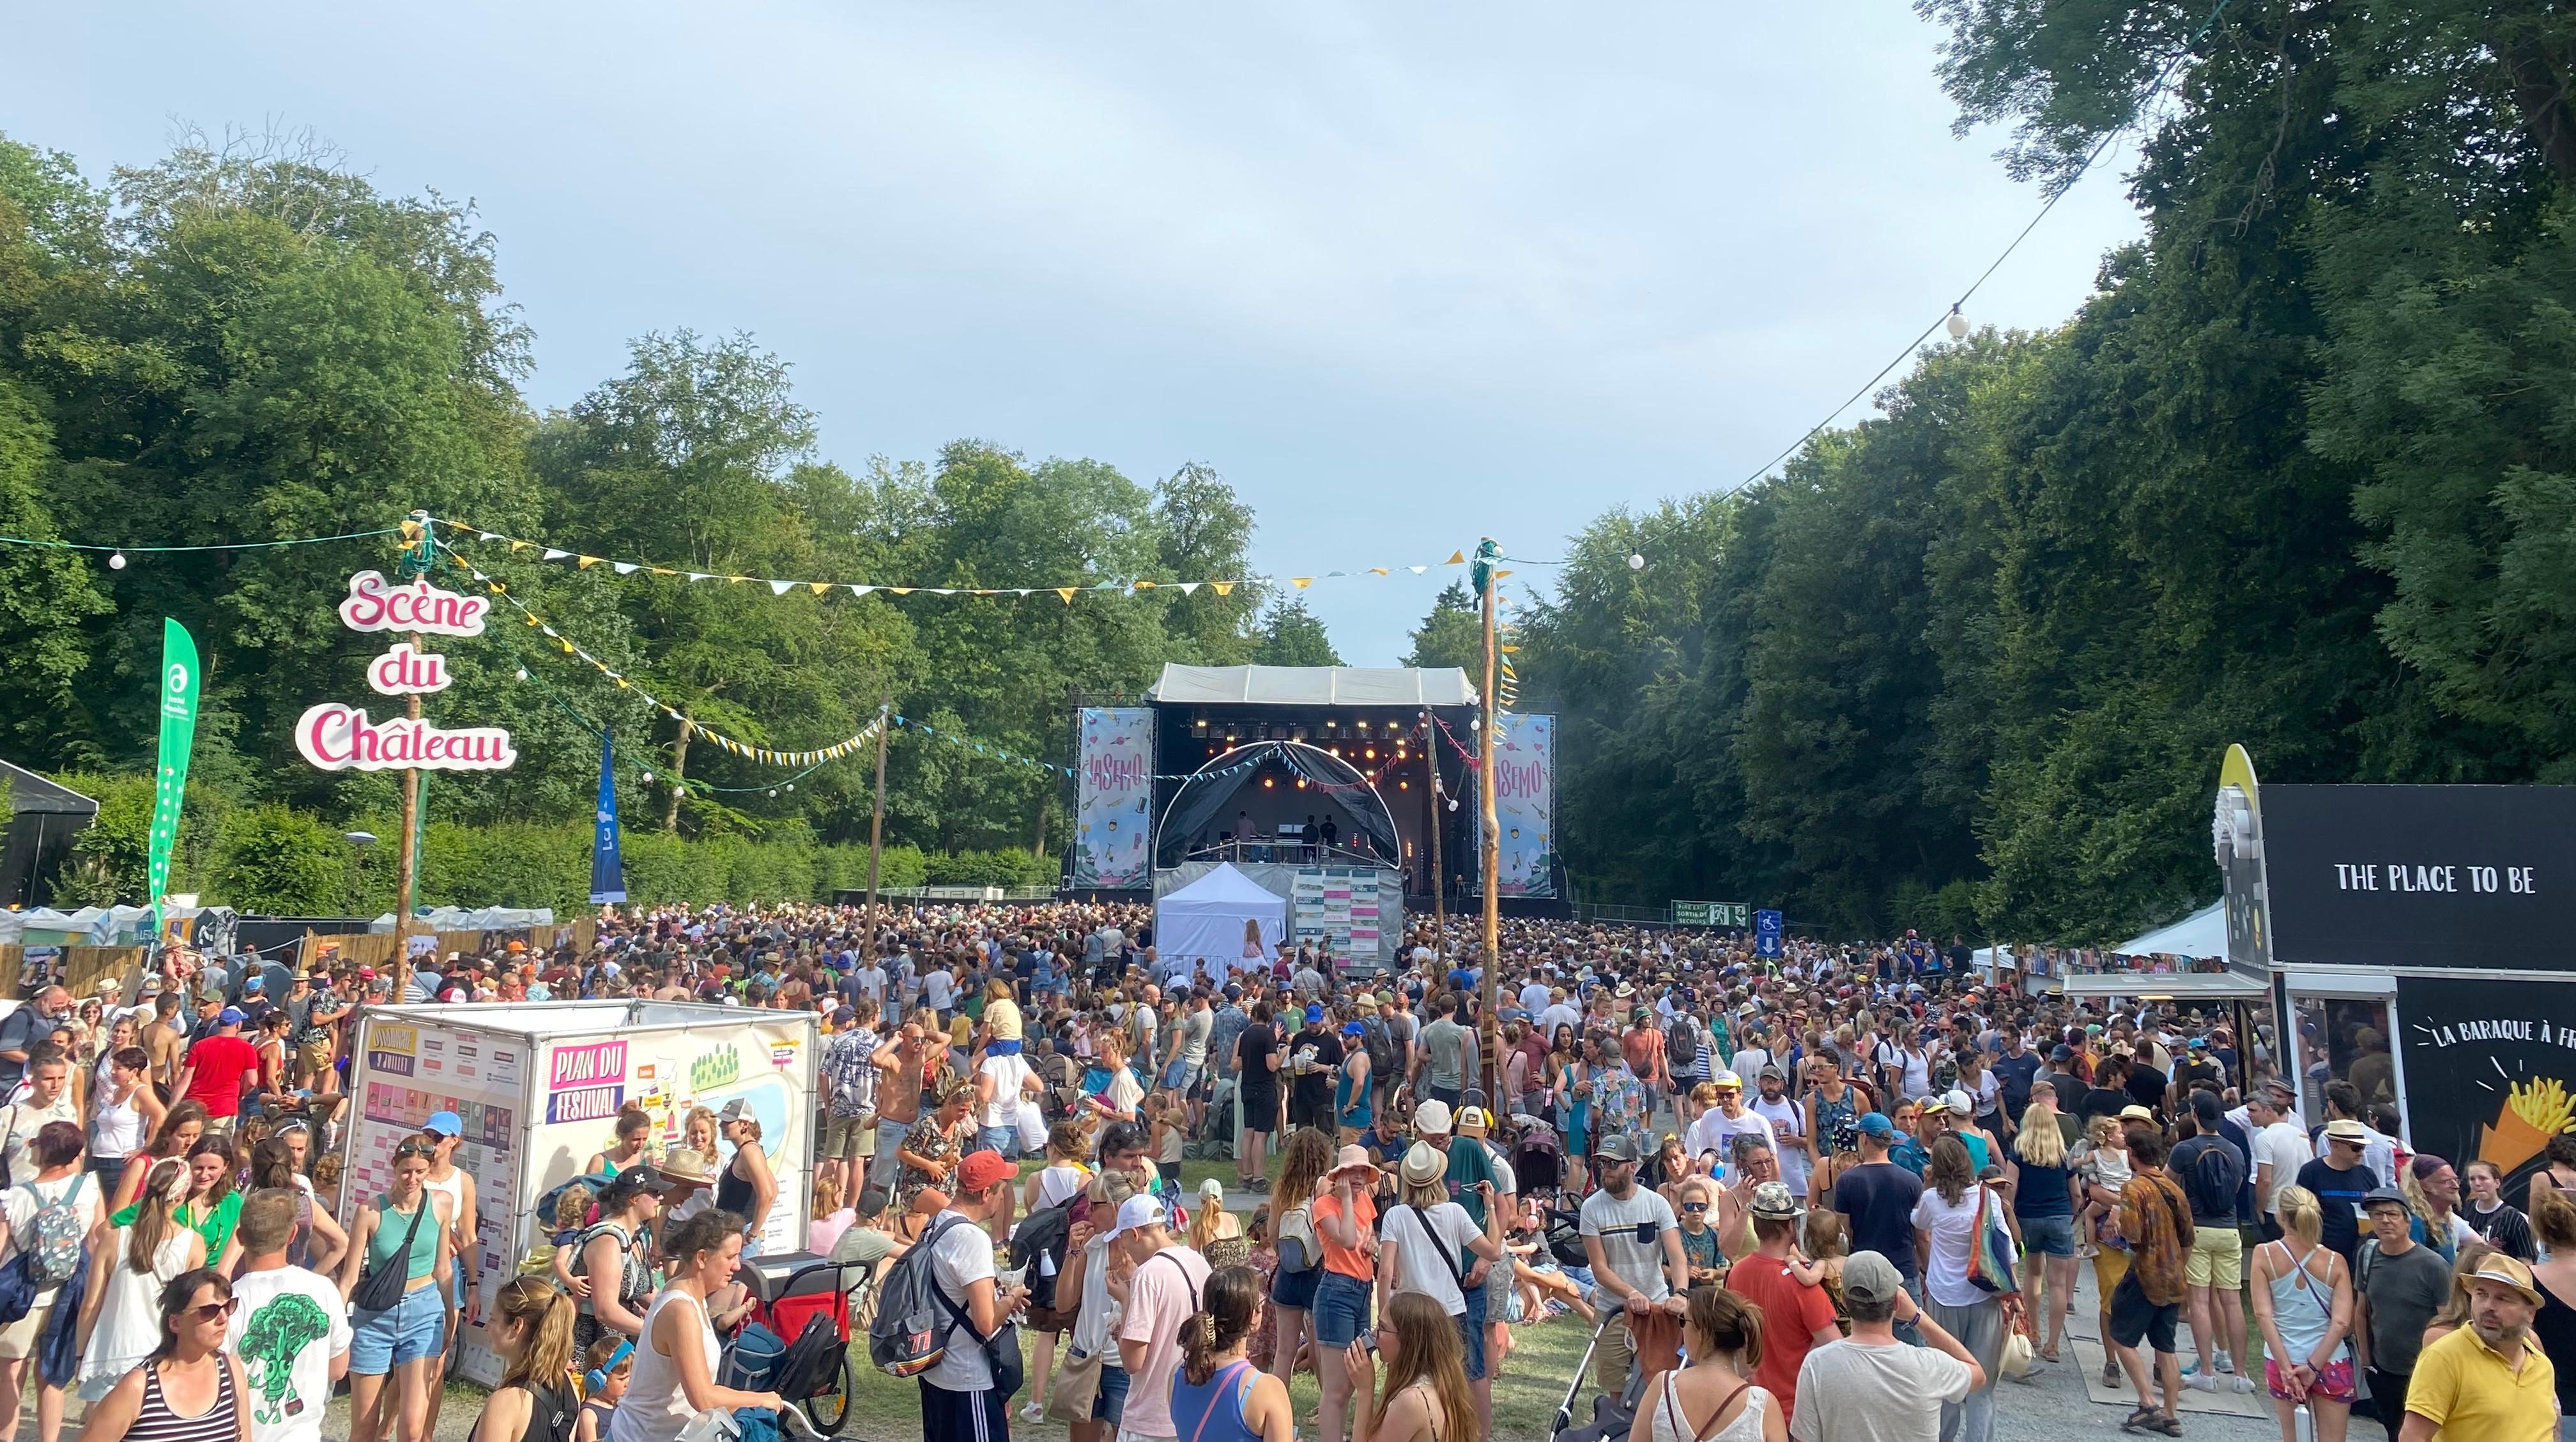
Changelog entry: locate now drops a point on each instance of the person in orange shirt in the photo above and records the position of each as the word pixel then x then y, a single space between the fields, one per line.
pixel 1346 1220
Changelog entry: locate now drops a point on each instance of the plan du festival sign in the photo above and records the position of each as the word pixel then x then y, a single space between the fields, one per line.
pixel 339 737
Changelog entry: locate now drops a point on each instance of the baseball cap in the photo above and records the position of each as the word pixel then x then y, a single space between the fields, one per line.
pixel 1870 1277
pixel 1474 1121
pixel 2376 1195
pixel 845 1016
pixel 1876 1124
pixel 1615 1147
pixel 255 983
pixel 1932 1106
pixel 232 1016
pixel 1772 1200
pixel 1433 1117
pixel 980 1170
pixel 1727 1079
pixel 2061 1052
pixel 2345 1129
pixel 446 1124
pixel 1959 1102
pixel 1134 1214
pixel 734 1111
pixel 1771 1071
pixel 1314 1014
pixel 1423 1165
pixel 1352 1028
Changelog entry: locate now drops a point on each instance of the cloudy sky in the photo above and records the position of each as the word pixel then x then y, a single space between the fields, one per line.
pixel 1405 274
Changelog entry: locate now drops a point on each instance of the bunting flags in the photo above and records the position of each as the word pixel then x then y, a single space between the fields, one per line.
pixel 780 586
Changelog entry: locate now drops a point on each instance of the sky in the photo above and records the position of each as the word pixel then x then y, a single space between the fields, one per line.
pixel 1404 274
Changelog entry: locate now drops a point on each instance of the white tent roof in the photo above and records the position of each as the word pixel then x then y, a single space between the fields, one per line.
pixel 1203 921
pixel 2203 933
pixel 1313 686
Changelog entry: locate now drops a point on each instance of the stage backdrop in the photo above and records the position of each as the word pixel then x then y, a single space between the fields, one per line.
pixel 1112 818
pixel 1525 804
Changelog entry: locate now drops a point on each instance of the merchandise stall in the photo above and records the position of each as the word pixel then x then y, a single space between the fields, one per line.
pixel 538 1085
pixel 2419 942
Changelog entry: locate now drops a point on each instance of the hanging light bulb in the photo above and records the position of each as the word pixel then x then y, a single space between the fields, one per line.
pixel 1957 325
pixel 648 778
pixel 791 785
pixel 523 675
pixel 773 790
pixel 1453 803
pixel 1636 562
pixel 116 562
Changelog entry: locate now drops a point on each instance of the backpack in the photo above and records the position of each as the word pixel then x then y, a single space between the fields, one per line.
pixel 1380 1040
pixel 811 1363
pixel 1681 1045
pixel 56 1238
pixel 910 1333
pixel 1043 1232
pixel 2215 1175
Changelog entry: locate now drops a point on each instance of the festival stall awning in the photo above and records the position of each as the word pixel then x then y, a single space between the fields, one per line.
pixel 1312 686
pixel 2203 933
pixel 2167 985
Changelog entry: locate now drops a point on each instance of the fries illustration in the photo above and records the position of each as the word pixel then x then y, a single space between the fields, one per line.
pixel 2533 1112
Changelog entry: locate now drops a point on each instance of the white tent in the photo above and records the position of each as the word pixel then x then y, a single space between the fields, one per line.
pixel 1203 921
pixel 2203 933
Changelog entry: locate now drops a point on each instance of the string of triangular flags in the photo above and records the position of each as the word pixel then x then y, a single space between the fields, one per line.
pixel 700 730
pixel 456 530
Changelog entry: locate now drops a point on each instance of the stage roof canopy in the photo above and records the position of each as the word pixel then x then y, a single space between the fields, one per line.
pixel 1312 686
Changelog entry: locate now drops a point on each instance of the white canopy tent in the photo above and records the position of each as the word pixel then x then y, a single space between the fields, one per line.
pixel 1204 921
pixel 1312 686
pixel 2203 933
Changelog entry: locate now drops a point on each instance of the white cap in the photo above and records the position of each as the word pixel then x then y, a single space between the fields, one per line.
pixel 1960 1103
pixel 1139 1211
pixel 1433 1117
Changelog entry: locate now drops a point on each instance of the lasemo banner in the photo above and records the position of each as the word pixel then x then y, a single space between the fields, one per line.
pixel 179 690
pixel 1114 812
pixel 1525 805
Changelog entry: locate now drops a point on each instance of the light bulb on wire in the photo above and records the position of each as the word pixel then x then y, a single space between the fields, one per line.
pixel 116 562
pixel 1956 325
pixel 1636 562
pixel 648 778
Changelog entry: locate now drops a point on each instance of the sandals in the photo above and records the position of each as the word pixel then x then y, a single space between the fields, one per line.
pixel 2149 1420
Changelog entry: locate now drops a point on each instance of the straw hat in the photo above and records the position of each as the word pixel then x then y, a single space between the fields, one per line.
pixel 686 1165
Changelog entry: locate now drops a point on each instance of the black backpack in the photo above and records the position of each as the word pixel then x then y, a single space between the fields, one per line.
pixel 1042 1233
pixel 1380 1039
pixel 812 1362
pixel 1681 1045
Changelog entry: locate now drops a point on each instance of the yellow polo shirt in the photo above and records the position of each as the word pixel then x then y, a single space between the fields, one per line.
pixel 2471 1392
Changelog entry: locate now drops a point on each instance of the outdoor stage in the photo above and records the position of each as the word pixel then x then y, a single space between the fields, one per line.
pixel 1311 779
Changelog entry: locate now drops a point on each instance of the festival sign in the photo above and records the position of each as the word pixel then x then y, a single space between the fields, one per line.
pixel 338 737
pixel 1111 820
pixel 2490 1069
pixel 1525 804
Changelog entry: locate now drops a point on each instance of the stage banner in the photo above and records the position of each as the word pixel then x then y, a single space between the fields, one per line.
pixel 1525 804
pixel 1112 818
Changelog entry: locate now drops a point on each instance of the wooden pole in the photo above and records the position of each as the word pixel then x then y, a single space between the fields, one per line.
pixel 876 821
pixel 1492 849
pixel 406 881
pixel 1439 876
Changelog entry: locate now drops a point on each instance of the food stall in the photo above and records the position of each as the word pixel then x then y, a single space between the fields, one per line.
pixel 2420 941
pixel 538 1085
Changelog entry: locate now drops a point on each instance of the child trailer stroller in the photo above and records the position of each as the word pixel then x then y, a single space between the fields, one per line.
pixel 1612 1417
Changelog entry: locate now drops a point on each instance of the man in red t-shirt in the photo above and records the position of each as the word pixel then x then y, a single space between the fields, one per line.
pixel 1796 1316
pixel 217 1068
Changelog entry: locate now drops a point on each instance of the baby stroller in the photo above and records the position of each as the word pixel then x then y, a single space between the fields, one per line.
pixel 1538 1158
pixel 1565 1237
pixel 1612 1417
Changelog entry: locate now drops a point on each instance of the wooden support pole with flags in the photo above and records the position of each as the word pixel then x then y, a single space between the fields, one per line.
pixel 1488 734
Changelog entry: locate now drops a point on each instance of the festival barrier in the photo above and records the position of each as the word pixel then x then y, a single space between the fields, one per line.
pixel 538 1084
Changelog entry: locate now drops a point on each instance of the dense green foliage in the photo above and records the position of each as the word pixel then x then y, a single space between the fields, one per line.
pixel 247 342
pixel 2301 474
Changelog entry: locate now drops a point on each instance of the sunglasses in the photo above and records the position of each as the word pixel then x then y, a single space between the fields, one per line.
pixel 1694 1206
pixel 212 1311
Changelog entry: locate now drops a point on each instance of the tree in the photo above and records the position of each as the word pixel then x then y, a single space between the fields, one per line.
pixel 1452 635
pixel 1291 635
pixel 1203 532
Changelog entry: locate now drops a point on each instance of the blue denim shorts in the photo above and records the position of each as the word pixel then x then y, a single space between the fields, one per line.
pixel 1005 1140
pixel 407 1331
pixel 1471 1331
pixel 1341 1309
pixel 1109 1404
pixel 2048 1236
pixel 1295 1289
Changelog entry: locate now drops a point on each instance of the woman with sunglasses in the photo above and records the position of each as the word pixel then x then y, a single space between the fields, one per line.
pixel 403 1340
pixel 129 1265
pixel 190 1389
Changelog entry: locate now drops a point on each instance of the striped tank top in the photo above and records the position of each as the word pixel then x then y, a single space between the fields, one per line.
pixel 156 1422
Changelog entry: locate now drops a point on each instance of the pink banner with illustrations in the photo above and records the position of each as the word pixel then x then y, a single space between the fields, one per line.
pixel 1525 805
pixel 1112 815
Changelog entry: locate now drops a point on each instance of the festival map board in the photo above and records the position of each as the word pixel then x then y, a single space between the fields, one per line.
pixel 1335 909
